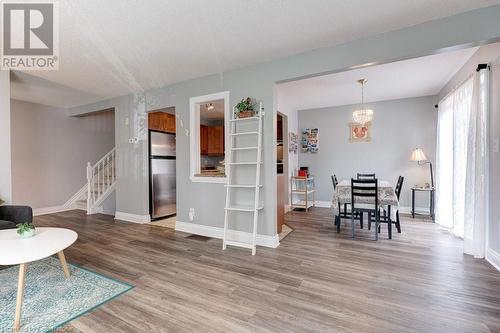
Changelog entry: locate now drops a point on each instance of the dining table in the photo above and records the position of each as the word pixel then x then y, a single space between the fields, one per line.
pixel 387 200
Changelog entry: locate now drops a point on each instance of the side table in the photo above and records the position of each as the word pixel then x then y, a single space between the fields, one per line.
pixel 431 191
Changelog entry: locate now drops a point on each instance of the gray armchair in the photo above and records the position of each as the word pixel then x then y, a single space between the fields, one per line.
pixel 12 215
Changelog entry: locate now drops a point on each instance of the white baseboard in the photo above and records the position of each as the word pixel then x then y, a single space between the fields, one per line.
pixel 317 203
pixel 134 218
pixel 418 210
pixel 215 232
pixel 493 258
pixel 51 210
pixel 323 204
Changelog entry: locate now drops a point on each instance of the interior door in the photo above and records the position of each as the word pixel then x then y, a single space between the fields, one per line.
pixel 282 170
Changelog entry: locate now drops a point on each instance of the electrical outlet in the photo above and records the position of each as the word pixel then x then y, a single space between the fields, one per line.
pixel 191 214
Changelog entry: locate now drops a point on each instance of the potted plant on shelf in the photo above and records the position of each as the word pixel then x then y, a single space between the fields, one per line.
pixel 245 108
pixel 25 230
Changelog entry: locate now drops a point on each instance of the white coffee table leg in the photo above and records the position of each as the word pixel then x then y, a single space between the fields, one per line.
pixel 19 297
pixel 64 264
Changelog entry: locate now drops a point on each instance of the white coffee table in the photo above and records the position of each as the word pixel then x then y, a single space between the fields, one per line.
pixel 20 251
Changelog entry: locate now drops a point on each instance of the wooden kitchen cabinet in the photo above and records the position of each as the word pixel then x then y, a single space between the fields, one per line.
pixel 203 140
pixel 161 121
pixel 216 141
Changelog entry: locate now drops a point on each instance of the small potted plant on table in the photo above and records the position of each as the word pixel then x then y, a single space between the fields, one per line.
pixel 245 108
pixel 25 230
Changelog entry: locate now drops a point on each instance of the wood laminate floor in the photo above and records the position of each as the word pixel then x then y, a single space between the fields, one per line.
pixel 315 281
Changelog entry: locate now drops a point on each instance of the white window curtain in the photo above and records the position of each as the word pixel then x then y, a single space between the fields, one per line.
pixel 461 166
pixel 476 198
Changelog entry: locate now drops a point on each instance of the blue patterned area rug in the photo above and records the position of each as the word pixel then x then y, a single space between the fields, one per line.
pixel 50 299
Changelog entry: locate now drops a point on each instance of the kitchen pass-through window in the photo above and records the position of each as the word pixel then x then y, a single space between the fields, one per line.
pixel 209 118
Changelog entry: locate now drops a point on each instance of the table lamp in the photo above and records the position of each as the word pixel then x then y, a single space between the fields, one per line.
pixel 418 155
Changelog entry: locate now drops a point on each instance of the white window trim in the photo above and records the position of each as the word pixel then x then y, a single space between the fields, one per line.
pixel 194 135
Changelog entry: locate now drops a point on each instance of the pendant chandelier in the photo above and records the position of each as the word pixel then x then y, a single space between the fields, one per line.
pixel 363 115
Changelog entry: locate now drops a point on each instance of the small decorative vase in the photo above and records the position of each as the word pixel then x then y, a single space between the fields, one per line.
pixel 27 234
pixel 245 114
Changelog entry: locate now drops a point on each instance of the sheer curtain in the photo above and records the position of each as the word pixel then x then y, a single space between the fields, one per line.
pixel 462 162
pixel 477 169
pixel 462 104
pixel 444 163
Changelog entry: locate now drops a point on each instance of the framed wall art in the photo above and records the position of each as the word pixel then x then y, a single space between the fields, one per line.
pixel 310 140
pixel 293 146
pixel 360 132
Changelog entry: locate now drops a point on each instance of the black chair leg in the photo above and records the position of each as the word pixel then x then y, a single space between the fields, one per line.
pixel 361 219
pixel 398 224
pixel 377 226
pixel 352 224
pixel 369 221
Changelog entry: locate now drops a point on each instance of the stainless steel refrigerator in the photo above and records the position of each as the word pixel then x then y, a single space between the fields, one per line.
pixel 162 200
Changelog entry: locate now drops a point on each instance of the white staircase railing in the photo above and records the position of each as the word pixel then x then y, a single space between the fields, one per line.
pixel 101 179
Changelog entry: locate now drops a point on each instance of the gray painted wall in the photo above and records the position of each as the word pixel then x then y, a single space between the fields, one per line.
pixel 398 127
pixel 50 150
pixel 5 141
pixel 487 54
pixel 258 81
pixel 109 205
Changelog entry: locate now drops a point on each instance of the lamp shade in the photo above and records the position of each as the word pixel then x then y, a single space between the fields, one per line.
pixel 417 154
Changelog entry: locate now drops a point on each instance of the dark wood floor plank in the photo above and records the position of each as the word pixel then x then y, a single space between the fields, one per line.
pixel 315 281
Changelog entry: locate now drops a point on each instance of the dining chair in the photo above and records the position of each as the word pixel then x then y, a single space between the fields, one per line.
pixel 365 176
pixel 385 219
pixel 399 186
pixel 334 182
pixel 365 190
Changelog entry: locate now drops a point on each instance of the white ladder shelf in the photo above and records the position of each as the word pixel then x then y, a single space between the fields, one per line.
pixel 254 207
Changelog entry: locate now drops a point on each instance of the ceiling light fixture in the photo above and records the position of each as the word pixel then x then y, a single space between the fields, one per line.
pixel 364 115
pixel 210 107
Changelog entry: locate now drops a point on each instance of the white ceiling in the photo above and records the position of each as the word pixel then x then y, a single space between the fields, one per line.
pixel 423 76
pixel 113 47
